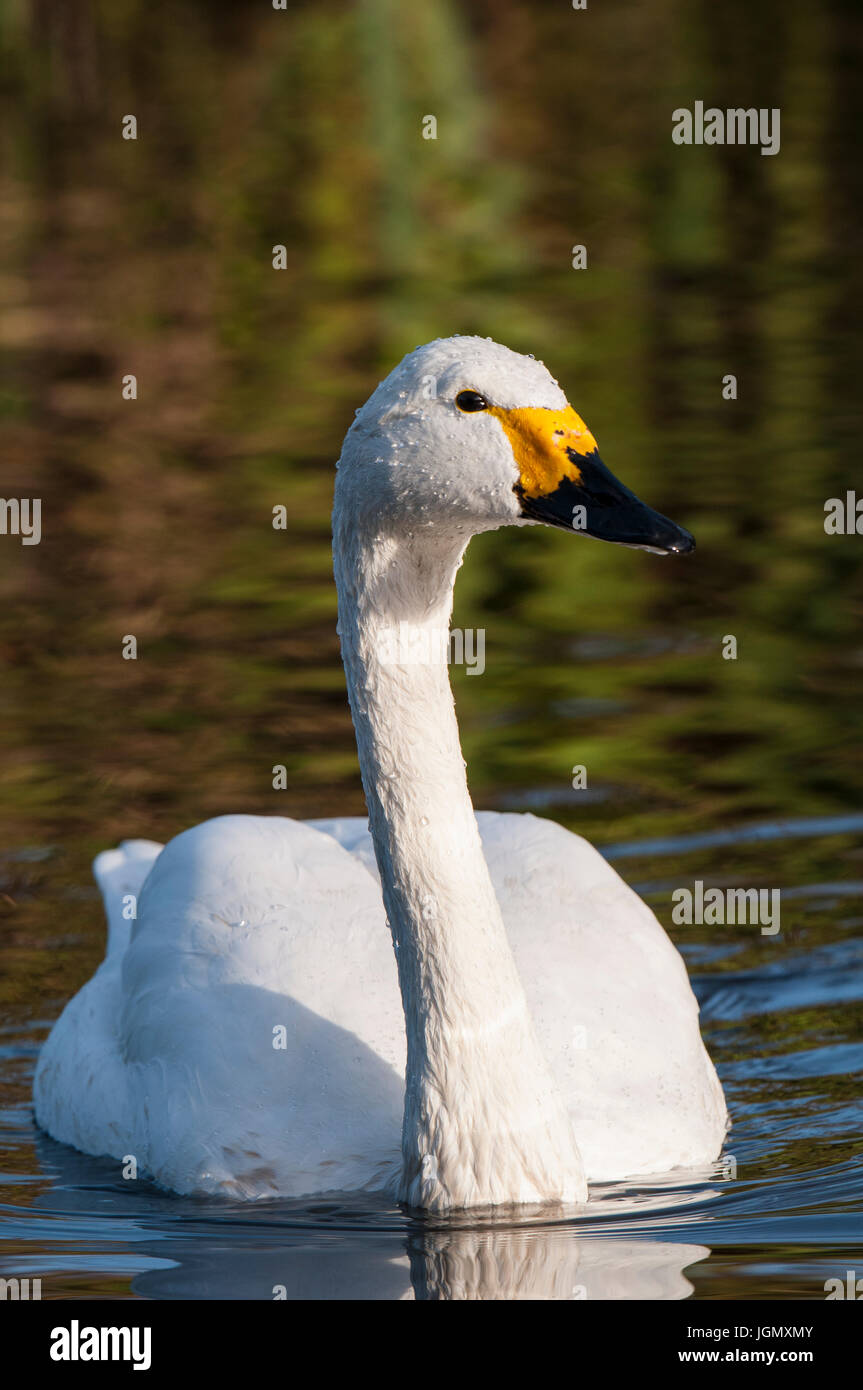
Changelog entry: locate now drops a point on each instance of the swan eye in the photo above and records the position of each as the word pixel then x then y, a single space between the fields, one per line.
pixel 471 400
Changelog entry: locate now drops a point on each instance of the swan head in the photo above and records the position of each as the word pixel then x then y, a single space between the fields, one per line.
pixel 465 435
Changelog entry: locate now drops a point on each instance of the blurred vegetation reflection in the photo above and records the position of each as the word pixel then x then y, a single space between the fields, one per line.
pixel 304 128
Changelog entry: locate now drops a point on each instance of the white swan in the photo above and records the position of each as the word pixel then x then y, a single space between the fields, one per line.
pixel 248 1037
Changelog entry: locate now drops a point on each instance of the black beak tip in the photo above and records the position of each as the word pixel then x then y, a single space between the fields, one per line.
pixel 683 543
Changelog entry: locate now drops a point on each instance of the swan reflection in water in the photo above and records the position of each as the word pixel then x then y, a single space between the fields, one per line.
pixel 352 1246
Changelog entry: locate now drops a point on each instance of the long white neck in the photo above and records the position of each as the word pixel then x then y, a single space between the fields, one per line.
pixel 484 1123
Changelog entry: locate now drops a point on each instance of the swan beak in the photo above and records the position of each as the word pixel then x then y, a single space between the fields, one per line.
pixel 563 482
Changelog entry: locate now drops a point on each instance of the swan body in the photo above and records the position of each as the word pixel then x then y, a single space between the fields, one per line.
pixel 250 1032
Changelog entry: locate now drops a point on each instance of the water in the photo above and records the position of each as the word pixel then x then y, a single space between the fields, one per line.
pixel 155 258
pixel 777 1216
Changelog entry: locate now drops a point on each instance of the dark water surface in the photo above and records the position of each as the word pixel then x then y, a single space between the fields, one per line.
pixel 154 258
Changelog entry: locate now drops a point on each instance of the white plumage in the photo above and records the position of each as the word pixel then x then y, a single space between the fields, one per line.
pixel 250 1037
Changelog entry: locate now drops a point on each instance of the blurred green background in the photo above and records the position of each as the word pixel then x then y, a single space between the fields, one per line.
pixel 258 127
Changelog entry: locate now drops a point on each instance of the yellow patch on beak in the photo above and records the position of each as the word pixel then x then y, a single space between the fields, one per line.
pixel 540 439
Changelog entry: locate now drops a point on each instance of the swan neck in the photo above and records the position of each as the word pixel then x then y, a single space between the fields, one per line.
pixel 477 1085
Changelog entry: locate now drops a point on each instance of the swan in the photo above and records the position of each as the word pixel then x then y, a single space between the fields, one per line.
pixel 249 1033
